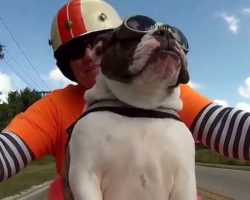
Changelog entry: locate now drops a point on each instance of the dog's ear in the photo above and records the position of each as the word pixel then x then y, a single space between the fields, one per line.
pixel 103 41
pixel 184 75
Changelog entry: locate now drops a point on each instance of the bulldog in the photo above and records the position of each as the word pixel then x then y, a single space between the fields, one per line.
pixel 130 143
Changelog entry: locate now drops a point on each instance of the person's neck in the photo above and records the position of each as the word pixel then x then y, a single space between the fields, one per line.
pixel 82 87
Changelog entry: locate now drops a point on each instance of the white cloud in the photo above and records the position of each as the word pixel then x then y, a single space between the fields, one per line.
pixel 245 90
pixel 58 79
pixel 232 22
pixel 195 85
pixel 221 102
pixel 240 105
pixel 246 10
pixel 243 106
pixel 16 82
pixel 10 82
pixel 5 86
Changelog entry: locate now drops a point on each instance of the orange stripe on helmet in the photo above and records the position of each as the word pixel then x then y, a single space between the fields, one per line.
pixel 75 16
pixel 64 24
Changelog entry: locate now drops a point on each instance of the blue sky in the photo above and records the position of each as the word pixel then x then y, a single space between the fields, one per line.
pixel 218 32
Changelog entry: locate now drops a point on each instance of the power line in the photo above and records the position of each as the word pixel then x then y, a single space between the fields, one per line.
pixel 6 27
pixel 15 72
pixel 21 68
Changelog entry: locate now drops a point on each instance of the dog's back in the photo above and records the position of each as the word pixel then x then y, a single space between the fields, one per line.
pixel 133 158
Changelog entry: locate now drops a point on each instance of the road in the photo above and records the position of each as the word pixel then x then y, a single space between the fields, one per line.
pixel 35 193
pixel 231 183
pixel 40 194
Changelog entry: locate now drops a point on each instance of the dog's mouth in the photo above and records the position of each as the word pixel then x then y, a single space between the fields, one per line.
pixel 167 61
pixel 163 65
pixel 170 48
pixel 170 53
pixel 171 58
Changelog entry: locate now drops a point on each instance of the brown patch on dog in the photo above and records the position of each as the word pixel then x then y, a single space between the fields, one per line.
pixel 143 180
pixel 117 52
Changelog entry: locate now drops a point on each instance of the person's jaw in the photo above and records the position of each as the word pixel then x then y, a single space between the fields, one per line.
pixel 87 78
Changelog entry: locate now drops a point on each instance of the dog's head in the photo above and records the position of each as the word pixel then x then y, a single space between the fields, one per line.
pixel 151 61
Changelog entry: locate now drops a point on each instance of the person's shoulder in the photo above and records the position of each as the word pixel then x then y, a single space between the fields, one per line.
pixel 68 93
pixel 68 90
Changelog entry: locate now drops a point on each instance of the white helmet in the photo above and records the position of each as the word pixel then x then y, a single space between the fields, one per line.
pixel 80 17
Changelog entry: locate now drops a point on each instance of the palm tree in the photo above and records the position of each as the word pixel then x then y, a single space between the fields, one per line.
pixel 1 51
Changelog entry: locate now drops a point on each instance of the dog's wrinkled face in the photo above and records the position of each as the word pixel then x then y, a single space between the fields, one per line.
pixel 156 55
pixel 142 71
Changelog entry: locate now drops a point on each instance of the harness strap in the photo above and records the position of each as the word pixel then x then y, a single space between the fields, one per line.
pixel 125 111
pixel 134 112
pixel 128 112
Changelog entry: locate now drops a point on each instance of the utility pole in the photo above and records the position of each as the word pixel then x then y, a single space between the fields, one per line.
pixel 43 93
pixel 1 97
pixel 1 51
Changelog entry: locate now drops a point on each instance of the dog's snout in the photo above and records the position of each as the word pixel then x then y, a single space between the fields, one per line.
pixel 161 32
pixel 166 32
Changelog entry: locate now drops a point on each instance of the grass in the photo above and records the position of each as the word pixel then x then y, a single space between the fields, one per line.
pixel 35 174
pixel 208 156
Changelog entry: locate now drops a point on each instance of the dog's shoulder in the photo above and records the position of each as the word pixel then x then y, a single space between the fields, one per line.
pixel 173 100
pixel 98 92
pixel 104 89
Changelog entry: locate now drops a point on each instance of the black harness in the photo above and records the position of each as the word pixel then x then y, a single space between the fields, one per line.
pixel 128 112
pixel 125 111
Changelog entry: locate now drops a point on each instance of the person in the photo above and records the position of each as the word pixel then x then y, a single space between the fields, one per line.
pixel 42 129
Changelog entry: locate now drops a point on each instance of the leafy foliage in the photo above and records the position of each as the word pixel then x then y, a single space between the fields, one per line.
pixel 17 101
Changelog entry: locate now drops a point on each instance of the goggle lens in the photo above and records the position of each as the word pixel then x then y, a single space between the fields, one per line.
pixel 180 38
pixel 141 24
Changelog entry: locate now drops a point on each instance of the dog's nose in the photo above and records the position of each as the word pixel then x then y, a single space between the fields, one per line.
pixel 161 32
pixel 166 32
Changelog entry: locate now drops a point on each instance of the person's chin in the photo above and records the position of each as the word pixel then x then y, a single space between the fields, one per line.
pixel 87 80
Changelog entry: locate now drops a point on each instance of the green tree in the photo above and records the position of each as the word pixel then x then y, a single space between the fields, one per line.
pixel 4 115
pixel 17 101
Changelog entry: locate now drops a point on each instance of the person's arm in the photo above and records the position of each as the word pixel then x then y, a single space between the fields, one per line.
pixel 27 137
pixel 14 154
pixel 223 129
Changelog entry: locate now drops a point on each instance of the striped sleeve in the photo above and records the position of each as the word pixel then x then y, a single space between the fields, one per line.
pixel 225 130
pixel 14 155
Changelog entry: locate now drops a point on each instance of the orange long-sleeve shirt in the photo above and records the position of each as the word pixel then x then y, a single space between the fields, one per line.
pixel 43 127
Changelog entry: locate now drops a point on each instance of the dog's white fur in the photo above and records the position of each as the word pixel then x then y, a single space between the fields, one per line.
pixel 143 48
pixel 113 157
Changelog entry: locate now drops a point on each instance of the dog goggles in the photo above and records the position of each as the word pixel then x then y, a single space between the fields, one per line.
pixel 138 25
